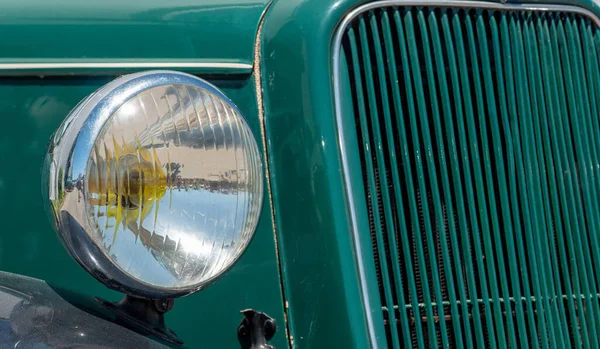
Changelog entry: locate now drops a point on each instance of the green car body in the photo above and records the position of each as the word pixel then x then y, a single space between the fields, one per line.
pixel 274 60
pixel 36 101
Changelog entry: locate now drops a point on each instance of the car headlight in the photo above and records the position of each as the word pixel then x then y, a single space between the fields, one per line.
pixel 155 183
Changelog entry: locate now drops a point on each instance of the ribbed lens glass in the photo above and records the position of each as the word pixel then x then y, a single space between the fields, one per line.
pixel 174 186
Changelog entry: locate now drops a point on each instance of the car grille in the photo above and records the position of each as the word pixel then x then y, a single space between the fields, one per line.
pixel 479 140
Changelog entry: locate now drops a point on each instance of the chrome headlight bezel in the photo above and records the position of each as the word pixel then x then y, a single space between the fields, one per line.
pixel 65 168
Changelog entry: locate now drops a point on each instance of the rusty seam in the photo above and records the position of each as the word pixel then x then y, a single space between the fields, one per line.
pixel 256 72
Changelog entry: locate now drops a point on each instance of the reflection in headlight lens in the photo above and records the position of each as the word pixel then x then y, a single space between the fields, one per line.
pixel 174 186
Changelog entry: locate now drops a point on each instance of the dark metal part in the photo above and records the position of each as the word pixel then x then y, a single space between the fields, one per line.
pixel 256 330
pixel 35 315
pixel 145 316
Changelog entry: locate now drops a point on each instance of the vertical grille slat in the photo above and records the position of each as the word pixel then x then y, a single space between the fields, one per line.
pixel 571 177
pixel 398 195
pixel 455 161
pixel 479 138
pixel 502 152
pixel 553 56
pixel 408 158
pixel 444 172
pixel 548 167
pixel 547 235
pixel 446 114
pixel 423 158
pixel 490 167
pixel 469 151
pixel 536 330
pixel 374 206
pixel 524 152
pixel 380 158
pixel 578 328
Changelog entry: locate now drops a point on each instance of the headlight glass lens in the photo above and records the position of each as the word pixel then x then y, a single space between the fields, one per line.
pixel 173 186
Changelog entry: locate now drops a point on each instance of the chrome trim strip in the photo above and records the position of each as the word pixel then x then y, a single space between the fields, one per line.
pixel 337 44
pixel 121 65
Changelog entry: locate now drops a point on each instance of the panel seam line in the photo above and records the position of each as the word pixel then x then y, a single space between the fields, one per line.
pixel 256 72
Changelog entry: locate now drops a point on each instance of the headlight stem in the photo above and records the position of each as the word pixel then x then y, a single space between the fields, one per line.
pixel 144 316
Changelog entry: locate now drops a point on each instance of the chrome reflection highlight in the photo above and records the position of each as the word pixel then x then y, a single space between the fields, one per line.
pixel 160 173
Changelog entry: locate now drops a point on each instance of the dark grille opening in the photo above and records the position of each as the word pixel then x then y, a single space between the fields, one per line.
pixel 479 144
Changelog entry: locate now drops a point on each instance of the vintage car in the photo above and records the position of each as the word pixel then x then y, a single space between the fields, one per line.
pixel 299 173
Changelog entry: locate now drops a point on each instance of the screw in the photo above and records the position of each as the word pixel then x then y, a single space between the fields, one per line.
pixel 163 305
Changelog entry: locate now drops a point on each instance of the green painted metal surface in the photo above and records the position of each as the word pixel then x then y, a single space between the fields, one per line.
pixel 323 293
pixel 311 214
pixel 479 144
pixel 321 285
pixel 32 109
pixel 66 31
pixel 187 30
